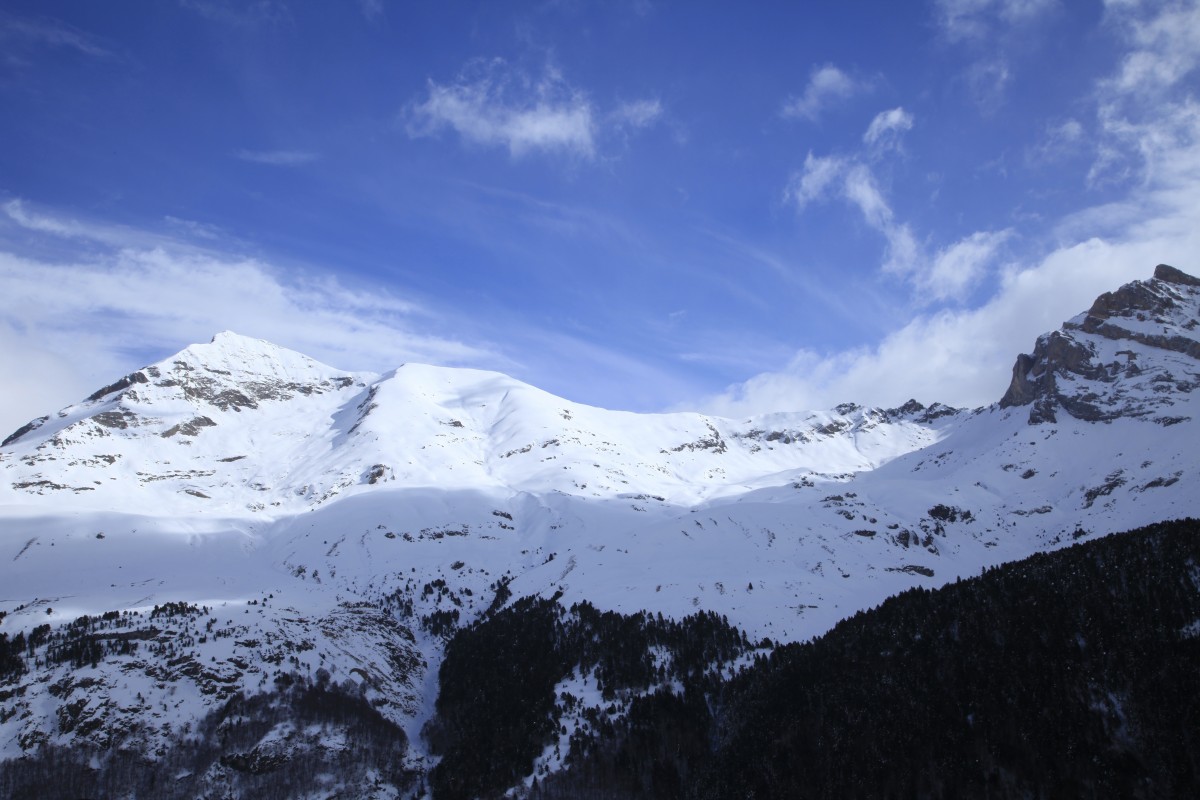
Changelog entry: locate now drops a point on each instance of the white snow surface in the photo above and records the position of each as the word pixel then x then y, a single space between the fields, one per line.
pixel 290 499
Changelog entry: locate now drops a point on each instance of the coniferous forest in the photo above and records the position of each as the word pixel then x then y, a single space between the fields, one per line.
pixel 1070 674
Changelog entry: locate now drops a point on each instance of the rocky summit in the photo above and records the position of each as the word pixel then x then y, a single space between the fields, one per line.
pixel 1132 354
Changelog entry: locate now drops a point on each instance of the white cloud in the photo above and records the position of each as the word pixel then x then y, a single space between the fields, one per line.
pixel 856 184
pixel 862 190
pixel 40 379
pixel 949 274
pixel 89 319
pixel 278 158
pixel 51 33
pixel 372 9
pixel 826 85
pixel 121 298
pixel 988 80
pixel 886 127
pixel 194 229
pixel 33 220
pixel 1146 111
pixel 958 268
pixel 812 182
pixel 1166 46
pixel 637 113
pixel 492 105
pixel 1061 139
pixel 991 30
pixel 959 357
pixel 976 19
pixel 17 212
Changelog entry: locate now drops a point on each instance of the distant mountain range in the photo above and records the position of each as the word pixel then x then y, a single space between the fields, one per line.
pixel 239 521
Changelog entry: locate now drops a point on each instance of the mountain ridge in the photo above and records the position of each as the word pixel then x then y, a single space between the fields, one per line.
pixel 323 520
pixel 371 426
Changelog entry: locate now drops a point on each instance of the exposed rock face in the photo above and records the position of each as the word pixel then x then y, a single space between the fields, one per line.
pixel 920 413
pixel 28 427
pixel 1090 368
pixel 1165 272
pixel 121 385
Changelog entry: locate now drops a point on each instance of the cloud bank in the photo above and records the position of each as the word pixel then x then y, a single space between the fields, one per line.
pixel 134 298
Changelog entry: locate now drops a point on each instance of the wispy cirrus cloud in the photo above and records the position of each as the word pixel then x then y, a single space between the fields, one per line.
pixel 886 128
pixel 239 13
pixel 637 114
pixel 860 187
pixel 491 104
pixel 977 19
pixel 1164 45
pixel 371 9
pixel 1061 139
pixel 35 220
pixel 826 85
pixel 811 183
pixel 957 268
pixel 1146 111
pixel 44 32
pixel 946 274
pixel 278 158
pixel 991 31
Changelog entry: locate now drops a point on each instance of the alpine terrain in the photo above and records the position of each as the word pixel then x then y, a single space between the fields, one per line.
pixel 239 572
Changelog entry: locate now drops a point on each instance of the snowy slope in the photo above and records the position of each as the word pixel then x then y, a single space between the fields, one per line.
pixel 240 425
pixel 336 520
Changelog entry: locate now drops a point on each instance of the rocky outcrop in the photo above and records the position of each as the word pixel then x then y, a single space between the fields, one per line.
pixel 1168 274
pixel 1075 369
pixel 120 386
pixel 28 427
pixel 1155 302
pixel 1036 377
pixel 918 412
pixel 190 428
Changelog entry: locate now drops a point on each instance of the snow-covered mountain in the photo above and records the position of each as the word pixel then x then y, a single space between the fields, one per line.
pixel 301 518
pixel 244 428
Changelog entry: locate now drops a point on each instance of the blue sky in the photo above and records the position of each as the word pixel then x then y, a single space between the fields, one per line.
pixel 642 205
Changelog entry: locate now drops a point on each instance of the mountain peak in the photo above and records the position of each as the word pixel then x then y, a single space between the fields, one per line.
pixel 228 358
pixel 230 373
pixel 229 338
pixel 246 353
pixel 1167 273
pixel 1118 359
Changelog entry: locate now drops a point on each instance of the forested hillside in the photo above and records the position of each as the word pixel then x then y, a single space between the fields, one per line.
pixel 1069 674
